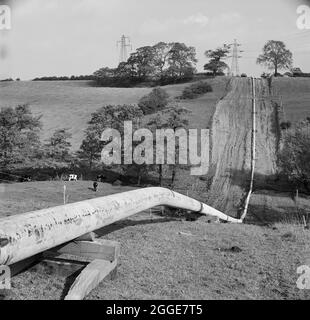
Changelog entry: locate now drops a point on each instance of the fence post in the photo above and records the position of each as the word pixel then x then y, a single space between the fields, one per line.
pixel 65 194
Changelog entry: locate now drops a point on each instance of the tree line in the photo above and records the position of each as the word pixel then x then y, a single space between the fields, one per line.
pixel 166 63
pixel 174 62
pixel 64 78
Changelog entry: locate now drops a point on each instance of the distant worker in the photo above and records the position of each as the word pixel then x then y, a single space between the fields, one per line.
pixel 95 185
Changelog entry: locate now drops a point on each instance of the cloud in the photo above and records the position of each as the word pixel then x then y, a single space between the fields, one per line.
pixel 198 19
pixel 154 26
pixel 228 17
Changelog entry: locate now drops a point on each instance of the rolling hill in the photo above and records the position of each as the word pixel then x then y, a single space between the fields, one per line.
pixel 69 104
pixel 182 259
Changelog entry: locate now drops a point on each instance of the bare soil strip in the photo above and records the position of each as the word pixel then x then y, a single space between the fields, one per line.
pixel 231 144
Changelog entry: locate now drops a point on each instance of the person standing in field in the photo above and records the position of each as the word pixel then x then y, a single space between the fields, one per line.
pixel 95 185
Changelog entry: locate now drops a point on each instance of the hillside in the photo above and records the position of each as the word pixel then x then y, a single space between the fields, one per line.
pixel 153 247
pixel 168 258
pixel 65 104
pixel 231 144
pixel 69 104
pixel 295 93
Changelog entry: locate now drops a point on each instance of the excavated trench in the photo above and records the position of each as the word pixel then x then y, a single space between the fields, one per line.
pixel 231 144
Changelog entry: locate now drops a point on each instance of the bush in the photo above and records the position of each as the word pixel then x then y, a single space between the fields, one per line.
pixel 294 158
pixel 154 101
pixel 188 93
pixel 195 90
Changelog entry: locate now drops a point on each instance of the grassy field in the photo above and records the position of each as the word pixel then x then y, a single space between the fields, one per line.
pixel 169 258
pixel 295 93
pixel 164 257
pixel 65 104
pixel 69 104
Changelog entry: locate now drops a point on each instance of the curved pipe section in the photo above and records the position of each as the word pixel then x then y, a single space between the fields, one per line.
pixel 25 235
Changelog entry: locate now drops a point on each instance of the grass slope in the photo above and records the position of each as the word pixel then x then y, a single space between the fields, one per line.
pixel 295 94
pixel 69 104
pixel 65 104
pixel 165 258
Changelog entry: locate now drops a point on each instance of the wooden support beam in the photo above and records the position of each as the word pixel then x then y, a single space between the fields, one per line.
pixel 103 253
pixel 98 249
pixel 89 278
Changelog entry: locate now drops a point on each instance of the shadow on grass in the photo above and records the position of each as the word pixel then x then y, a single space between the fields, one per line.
pixel 274 182
pixel 262 215
pixel 268 187
pixel 131 223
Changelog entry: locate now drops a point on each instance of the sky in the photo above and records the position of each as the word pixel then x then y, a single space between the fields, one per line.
pixel 73 37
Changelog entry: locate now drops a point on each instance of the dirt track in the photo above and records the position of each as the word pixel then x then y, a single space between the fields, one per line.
pixel 231 143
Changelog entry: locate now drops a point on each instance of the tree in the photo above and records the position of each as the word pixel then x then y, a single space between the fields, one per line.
pixel 156 100
pixel 105 76
pixel 165 62
pixel 182 60
pixel 275 56
pixel 137 170
pixel 216 65
pixel 91 147
pixel 171 118
pixel 57 148
pixel 142 63
pixel 161 58
pixel 107 117
pixel 162 63
pixel 125 75
pixel 294 159
pixel 19 137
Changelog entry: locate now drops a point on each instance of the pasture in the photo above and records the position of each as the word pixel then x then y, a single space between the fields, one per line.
pixel 295 93
pixel 153 247
pixel 69 104
pixel 211 268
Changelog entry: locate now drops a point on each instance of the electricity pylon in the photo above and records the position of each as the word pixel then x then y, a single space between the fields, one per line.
pixel 234 70
pixel 124 44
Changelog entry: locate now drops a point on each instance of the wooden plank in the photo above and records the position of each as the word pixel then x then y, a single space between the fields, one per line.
pixel 89 278
pixel 98 249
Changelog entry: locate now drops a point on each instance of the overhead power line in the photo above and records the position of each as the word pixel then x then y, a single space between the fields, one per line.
pixel 124 43
pixel 234 70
